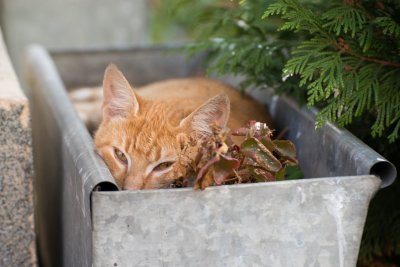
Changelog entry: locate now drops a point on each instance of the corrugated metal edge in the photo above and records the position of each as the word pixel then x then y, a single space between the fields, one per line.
pixel 336 179
pixel 131 48
pixel 40 66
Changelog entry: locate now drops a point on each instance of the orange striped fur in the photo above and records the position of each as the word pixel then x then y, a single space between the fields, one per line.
pixel 147 135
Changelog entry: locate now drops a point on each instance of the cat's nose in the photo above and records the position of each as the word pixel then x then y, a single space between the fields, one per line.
pixel 140 183
pixel 132 187
pixel 133 184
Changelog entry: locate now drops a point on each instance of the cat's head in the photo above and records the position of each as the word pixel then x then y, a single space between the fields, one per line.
pixel 141 146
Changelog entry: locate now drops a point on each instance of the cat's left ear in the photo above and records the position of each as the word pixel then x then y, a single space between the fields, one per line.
pixel 213 112
pixel 119 98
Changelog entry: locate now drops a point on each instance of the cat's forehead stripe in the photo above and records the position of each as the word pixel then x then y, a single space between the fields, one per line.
pixel 143 141
pixel 153 153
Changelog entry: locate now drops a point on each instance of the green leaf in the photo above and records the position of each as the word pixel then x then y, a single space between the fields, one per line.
pixel 268 143
pixel 260 174
pixel 275 9
pixel 343 19
pixel 255 150
pixel 389 26
pixel 286 149
pixel 280 175
pixel 293 172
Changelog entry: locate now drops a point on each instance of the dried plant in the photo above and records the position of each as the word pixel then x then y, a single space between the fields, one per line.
pixel 259 158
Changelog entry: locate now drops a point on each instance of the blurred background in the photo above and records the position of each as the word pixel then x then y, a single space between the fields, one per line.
pixel 73 24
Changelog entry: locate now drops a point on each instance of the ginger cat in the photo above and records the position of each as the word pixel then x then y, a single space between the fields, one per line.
pixel 147 135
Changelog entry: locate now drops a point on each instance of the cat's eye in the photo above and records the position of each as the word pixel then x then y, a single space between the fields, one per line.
pixel 120 156
pixel 163 166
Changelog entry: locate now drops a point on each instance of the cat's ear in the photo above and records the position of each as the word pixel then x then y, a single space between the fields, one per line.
pixel 213 112
pixel 119 98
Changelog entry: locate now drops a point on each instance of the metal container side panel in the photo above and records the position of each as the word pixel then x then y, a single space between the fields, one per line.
pixel 46 146
pixel 140 65
pixel 329 151
pixel 67 169
pixel 313 222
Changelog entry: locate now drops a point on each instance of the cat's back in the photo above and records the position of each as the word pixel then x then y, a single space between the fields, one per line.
pixel 190 88
pixel 192 92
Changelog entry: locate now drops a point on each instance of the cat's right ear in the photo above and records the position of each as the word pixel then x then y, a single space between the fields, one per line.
pixel 215 111
pixel 119 98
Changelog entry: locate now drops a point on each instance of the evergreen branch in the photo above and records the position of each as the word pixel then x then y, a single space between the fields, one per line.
pixel 290 11
pixel 344 48
pixel 339 55
pixel 344 18
pixel 376 60
pixel 388 25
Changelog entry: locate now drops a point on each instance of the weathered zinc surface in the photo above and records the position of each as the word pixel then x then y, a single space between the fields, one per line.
pixel 313 222
pixel 17 238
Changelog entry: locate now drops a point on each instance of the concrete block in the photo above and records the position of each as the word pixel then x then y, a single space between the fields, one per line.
pixel 17 237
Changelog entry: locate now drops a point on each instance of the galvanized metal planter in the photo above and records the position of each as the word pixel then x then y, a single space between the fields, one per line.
pixel 83 221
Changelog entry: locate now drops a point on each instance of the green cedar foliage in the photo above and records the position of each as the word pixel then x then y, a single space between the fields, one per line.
pixel 238 39
pixel 341 56
pixel 350 62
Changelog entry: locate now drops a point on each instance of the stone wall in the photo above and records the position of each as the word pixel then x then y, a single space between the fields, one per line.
pixel 17 238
